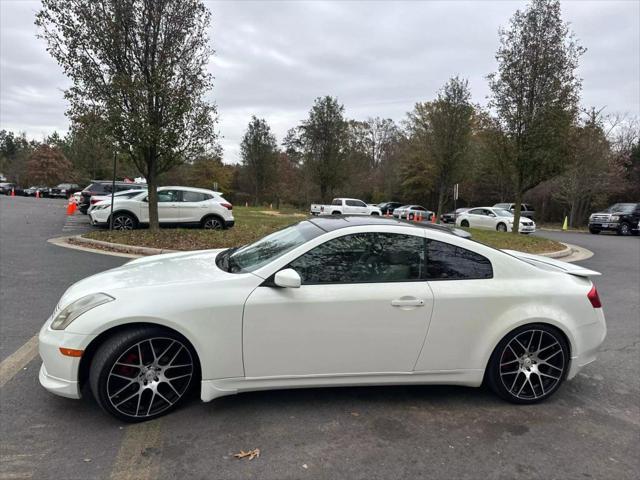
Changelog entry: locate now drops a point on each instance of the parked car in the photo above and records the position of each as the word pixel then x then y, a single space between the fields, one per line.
pixel 622 218
pixel 6 188
pixel 31 191
pixel 176 205
pixel 345 206
pixel 491 218
pixel 64 190
pixel 98 200
pixel 387 208
pixel 103 187
pixel 526 210
pixel 409 212
pixel 451 216
pixel 330 301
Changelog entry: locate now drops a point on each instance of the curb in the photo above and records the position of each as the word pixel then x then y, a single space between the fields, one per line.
pixel 568 250
pixel 106 247
pixel 120 249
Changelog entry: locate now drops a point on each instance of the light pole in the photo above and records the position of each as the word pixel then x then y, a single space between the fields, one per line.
pixel 113 190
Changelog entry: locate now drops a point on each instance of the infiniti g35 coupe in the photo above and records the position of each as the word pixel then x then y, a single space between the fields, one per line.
pixel 333 301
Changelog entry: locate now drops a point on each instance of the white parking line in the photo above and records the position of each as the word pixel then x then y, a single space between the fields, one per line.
pixel 18 360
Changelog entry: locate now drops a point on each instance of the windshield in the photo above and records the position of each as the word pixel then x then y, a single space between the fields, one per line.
pixel 621 207
pixel 257 254
pixel 502 213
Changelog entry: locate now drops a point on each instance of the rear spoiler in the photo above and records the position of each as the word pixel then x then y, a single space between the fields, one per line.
pixel 547 263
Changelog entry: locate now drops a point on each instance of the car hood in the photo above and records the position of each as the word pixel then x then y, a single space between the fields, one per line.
pixel 170 268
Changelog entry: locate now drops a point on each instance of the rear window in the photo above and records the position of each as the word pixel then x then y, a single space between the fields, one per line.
pixel 450 262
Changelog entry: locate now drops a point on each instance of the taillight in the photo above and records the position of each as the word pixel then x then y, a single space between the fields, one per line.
pixel 94 200
pixel 228 206
pixel 594 298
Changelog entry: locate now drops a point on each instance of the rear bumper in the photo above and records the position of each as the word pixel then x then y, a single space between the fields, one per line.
pixel 229 223
pixel 588 340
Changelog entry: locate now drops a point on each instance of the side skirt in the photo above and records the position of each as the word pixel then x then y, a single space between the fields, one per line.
pixel 211 389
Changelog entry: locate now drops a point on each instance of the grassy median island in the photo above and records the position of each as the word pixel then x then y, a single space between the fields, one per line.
pixel 253 223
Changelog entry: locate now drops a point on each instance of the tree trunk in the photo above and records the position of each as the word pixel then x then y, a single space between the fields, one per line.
pixel 152 184
pixel 518 207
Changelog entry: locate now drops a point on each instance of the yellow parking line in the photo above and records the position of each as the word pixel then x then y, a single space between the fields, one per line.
pixel 18 360
pixel 139 455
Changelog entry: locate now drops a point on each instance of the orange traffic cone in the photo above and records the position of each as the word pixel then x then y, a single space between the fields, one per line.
pixel 433 217
pixel 13 192
pixel 37 193
pixel 71 207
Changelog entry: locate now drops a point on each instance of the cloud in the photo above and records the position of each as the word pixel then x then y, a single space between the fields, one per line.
pixel 379 58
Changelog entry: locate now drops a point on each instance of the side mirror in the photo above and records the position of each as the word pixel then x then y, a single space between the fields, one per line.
pixel 287 278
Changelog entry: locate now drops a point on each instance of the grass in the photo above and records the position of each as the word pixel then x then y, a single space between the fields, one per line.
pixel 253 223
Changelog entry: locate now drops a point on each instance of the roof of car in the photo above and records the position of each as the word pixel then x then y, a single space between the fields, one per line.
pixel 334 222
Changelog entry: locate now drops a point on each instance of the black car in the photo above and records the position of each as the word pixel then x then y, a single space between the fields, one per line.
pixel 64 190
pixel 103 187
pixel 451 216
pixel 6 189
pixel 621 218
pixel 387 208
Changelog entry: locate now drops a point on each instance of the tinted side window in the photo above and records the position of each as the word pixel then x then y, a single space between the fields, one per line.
pixel 363 258
pixel 194 196
pixel 336 202
pixel 449 262
pixel 475 211
pixel 169 196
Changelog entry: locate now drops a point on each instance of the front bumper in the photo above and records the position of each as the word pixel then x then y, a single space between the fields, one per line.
pixel 59 373
pixel 604 226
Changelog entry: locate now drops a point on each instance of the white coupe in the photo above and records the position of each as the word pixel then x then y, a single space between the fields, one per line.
pixel 330 301
pixel 492 218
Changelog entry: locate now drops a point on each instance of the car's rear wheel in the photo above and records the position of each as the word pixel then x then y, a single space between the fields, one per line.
pixel 625 229
pixel 124 221
pixel 529 364
pixel 212 223
pixel 143 373
pixel 501 227
pixel 375 213
pixel 464 223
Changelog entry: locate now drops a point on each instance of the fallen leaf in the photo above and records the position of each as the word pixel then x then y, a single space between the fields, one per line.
pixel 255 453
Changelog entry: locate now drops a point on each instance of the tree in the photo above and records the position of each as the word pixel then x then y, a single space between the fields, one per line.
pixel 324 139
pixel 259 152
pixel 450 120
pixel 48 166
pixel 535 92
pixel 585 175
pixel 141 66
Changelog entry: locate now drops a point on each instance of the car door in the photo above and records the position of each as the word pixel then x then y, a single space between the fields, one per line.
pixel 363 308
pixel 489 219
pixel 193 206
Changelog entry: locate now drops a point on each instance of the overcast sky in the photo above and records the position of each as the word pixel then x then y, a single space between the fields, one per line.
pixel 379 58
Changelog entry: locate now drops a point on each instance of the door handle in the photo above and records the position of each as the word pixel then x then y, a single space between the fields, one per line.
pixel 407 302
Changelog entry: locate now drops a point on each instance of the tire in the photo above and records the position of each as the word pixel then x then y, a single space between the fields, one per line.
pixel 374 214
pixel 464 223
pixel 212 222
pixel 624 229
pixel 529 364
pixel 124 221
pixel 128 400
pixel 501 227
pixel 335 213
pixel 411 216
pixel 594 231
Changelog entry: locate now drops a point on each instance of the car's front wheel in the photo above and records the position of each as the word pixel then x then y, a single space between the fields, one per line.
pixel 625 229
pixel 464 223
pixel 142 373
pixel 501 227
pixel 529 364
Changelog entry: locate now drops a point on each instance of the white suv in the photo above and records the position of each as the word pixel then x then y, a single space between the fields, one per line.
pixel 176 205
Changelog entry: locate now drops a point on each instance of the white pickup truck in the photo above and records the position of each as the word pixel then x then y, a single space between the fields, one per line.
pixel 345 206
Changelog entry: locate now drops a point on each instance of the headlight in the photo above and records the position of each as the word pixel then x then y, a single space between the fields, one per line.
pixel 72 311
pixel 614 218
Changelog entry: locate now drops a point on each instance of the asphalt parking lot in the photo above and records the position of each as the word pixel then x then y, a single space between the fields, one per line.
pixel 589 429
